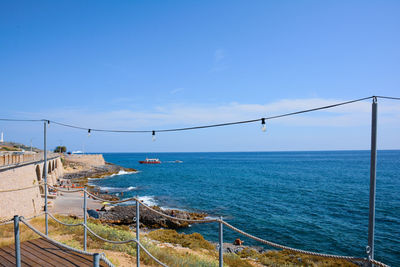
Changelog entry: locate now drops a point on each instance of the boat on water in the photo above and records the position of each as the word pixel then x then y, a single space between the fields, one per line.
pixel 150 161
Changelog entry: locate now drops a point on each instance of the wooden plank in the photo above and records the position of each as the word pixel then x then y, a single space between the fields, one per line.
pixel 74 258
pixel 30 255
pixel 86 259
pixel 59 258
pixel 6 263
pixel 11 250
pixel 6 255
pixel 42 254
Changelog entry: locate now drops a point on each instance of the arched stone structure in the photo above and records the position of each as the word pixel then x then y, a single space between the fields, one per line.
pixel 39 178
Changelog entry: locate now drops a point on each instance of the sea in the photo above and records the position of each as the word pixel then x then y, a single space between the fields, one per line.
pixel 317 201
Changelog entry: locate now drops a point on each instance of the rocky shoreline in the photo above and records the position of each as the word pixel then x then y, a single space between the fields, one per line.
pixel 125 214
pixel 122 215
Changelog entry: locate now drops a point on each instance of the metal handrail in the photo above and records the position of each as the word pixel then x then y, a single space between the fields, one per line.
pixel 221 222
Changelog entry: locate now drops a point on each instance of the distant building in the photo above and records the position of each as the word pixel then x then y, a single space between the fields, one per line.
pixel 2 138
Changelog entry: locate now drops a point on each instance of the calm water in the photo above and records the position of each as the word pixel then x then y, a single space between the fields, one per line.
pixel 309 200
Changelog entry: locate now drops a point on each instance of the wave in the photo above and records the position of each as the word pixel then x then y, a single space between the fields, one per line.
pixel 121 172
pixel 116 189
pixel 94 179
pixel 148 200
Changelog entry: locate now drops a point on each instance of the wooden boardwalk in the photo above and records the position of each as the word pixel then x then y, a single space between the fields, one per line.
pixel 40 252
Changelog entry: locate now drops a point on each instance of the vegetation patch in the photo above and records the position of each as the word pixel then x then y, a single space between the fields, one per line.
pixel 288 258
pixel 193 249
pixel 192 241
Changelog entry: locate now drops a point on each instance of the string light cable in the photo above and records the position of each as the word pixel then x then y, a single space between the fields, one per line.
pixel 153 132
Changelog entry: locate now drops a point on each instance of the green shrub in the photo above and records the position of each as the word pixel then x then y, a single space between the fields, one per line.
pixel 193 241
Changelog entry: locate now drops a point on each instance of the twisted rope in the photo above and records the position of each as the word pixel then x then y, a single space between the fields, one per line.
pixel 272 244
pixel 6 221
pixel 108 241
pixel 65 191
pixel 22 188
pixel 174 218
pixel 151 256
pixel 11 220
pixel 203 221
pixel 110 201
pixel 22 219
pixel 102 255
pixel 106 261
pixel 63 223
pixel 124 242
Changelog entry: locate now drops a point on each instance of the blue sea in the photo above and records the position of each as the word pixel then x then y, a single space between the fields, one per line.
pixel 314 201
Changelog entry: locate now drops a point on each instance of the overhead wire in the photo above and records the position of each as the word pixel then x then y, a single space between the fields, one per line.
pixel 262 119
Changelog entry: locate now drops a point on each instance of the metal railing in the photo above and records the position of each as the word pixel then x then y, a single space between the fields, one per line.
pixel 139 245
pixel 220 222
pixel 10 159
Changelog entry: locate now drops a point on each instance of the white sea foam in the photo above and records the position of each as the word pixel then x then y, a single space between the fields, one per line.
pixel 148 200
pixel 116 189
pixel 121 172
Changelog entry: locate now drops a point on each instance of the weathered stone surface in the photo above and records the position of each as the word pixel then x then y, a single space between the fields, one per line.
pixel 96 172
pixel 149 219
pixel 26 202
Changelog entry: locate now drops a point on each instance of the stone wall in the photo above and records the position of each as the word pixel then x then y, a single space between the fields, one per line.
pixel 26 202
pixel 88 160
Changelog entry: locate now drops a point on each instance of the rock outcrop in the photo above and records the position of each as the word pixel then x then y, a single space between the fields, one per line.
pixel 148 219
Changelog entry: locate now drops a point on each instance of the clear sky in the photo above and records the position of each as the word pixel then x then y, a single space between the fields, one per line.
pixel 160 64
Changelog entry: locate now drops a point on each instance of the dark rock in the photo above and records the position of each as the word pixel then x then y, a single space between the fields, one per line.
pixel 237 250
pixel 149 219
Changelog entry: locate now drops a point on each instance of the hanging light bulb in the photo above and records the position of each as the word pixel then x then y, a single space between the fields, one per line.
pixel 48 123
pixel 154 136
pixel 88 132
pixel 264 127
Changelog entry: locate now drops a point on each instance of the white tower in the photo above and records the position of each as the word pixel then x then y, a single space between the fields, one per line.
pixel 2 137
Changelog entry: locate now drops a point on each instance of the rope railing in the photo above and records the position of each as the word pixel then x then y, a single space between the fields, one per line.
pixel 235 229
pixel 102 255
pixel 370 253
pixel 52 240
pixel 270 243
pixel 22 188
pixel 65 190
pixel 175 218
pixel 220 221
pixel 107 240
pixel 24 220
pixel 63 223
pixel 11 220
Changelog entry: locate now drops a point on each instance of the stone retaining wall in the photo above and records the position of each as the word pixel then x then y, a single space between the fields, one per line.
pixel 26 202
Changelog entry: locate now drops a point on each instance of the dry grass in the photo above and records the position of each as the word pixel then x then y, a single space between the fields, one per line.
pixel 174 250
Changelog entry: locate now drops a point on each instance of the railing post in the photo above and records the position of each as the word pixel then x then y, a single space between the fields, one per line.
pixel 45 175
pixel 84 220
pixel 372 183
pixel 221 243
pixel 137 232
pixel 17 242
pixel 96 259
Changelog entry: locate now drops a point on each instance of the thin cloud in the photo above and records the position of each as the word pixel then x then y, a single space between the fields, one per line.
pixel 356 114
pixel 176 90
pixel 219 63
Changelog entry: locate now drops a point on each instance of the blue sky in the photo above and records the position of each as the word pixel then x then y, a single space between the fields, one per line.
pixel 160 64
